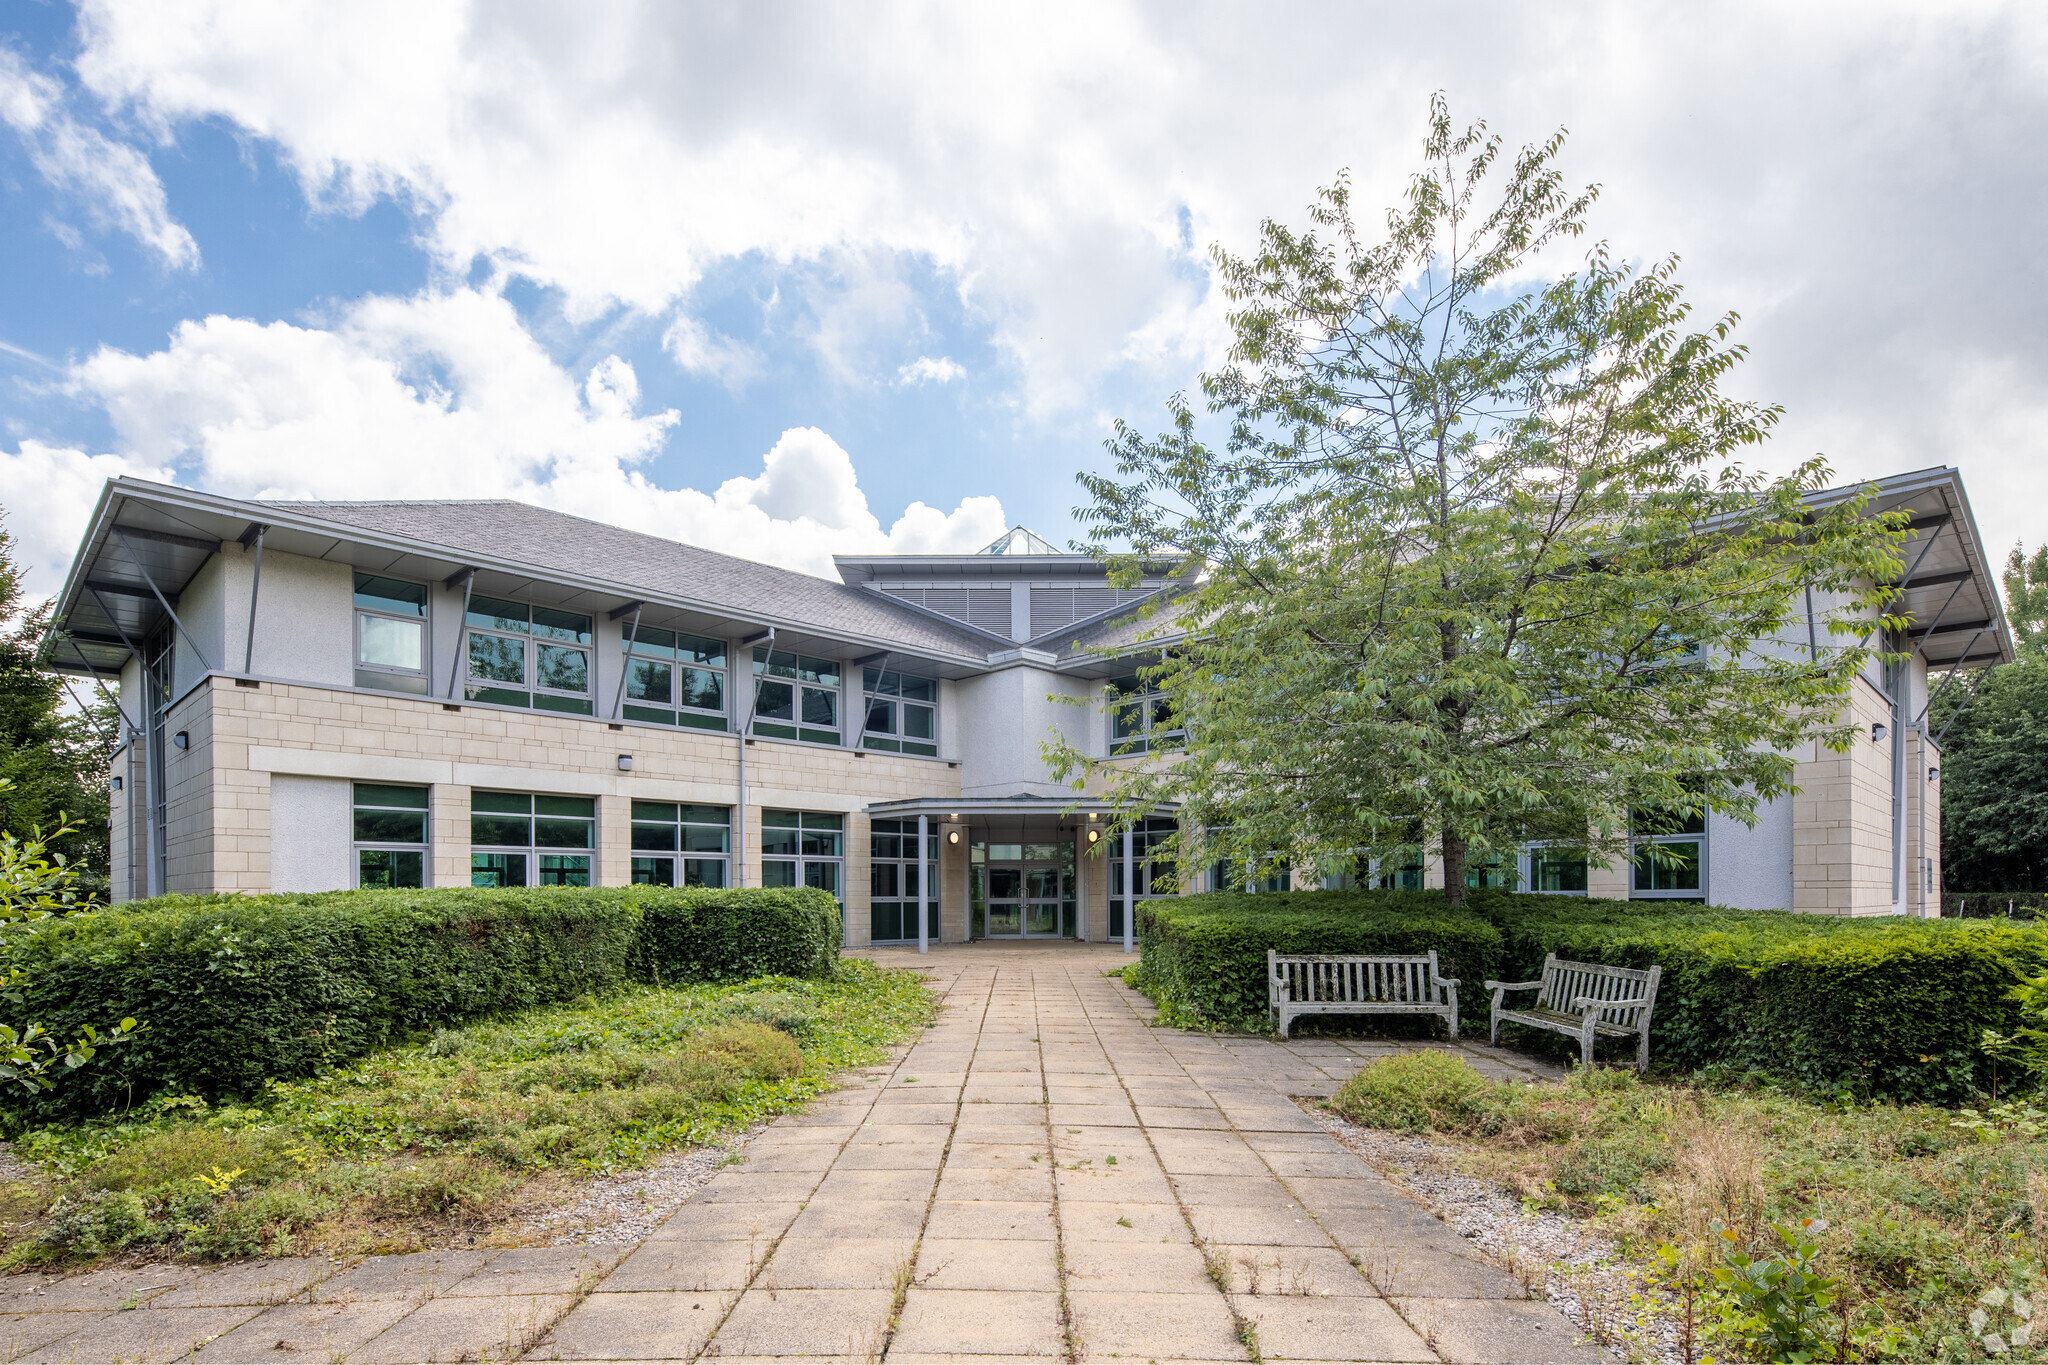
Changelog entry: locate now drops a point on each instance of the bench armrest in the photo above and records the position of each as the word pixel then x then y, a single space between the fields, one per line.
pixel 1498 986
pixel 1447 981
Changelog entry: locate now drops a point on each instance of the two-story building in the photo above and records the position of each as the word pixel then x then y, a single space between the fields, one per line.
pixel 326 695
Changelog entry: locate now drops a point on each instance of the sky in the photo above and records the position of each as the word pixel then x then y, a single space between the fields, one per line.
pixel 796 280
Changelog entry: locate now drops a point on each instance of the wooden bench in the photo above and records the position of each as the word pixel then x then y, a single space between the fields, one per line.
pixel 1314 983
pixel 1585 1000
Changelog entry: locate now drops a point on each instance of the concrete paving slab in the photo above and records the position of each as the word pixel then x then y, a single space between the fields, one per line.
pixel 539 1270
pixel 957 1321
pixel 859 1218
pixel 102 1290
pixel 816 1157
pixel 1155 1117
pixel 305 1332
pixel 1027 1181
pixel 1155 1326
pixel 1251 1191
pixel 1294 1328
pixel 654 1326
pixel 504 1328
pixel 261 1282
pixel 1121 1222
pixel 23 1333
pixel 1136 1266
pixel 1474 1332
pixel 1312 1272
pixel 970 1263
pixel 727 1223
pixel 166 1334
pixel 1238 1226
pixel 862 1184
pixel 992 1220
pixel 837 1262
pixel 851 1322
pixel 688 1267
pixel 418 1276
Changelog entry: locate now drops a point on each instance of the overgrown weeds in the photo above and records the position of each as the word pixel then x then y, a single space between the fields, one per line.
pixel 449 1136
pixel 1776 1227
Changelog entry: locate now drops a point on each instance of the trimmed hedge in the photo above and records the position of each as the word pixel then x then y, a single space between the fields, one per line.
pixel 239 990
pixel 1879 1008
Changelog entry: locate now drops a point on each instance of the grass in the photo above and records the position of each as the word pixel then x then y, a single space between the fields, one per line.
pixel 444 1138
pixel 1923 1211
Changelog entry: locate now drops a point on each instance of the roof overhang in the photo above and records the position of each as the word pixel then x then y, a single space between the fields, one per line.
pixel 138 505
pixel 1949 589
pixel 966 807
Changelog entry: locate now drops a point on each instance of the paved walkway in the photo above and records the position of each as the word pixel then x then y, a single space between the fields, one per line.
pixel 1041 1176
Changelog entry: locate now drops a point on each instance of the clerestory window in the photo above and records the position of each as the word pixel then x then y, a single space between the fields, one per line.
pixel 391 634
pixel 901 714
pixel 674 679
pixel 796 696
pixel 519 655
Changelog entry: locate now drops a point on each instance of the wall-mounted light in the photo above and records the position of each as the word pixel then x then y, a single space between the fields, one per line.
pixel 625 763
pixel 1880 730
pixel 952 836
pixel 117 784
pixel 182 740
pixel 1933 775
pixel 1094 835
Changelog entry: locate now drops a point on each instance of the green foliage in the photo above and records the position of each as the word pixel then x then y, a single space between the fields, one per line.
pixel 1777 1306
pixel 1873 1008
pixel 2026 598
pixel 1994 779
pixel 240 990
pixel 53 762
pixel 444 1132
pixel 1415 1092
pixel 1456 588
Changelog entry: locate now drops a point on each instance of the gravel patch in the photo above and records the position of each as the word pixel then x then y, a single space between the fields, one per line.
pixel 625 1209
pixel 1584 1274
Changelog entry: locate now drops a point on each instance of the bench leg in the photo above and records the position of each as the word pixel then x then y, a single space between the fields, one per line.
pixel 1643 1052
pixel 1586 1048
pixel 1494 1035
pixel 1454 1021
pixel 1284 1020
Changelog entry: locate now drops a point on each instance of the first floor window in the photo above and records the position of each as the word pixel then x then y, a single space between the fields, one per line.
pixel 517 839
pixel 390 829
pixel 895 876
pixel 391 634
pixel 803 848
pixel 1141 720
pixel 901 713
pixel 796 696
pixel 527 656
pixel 680 845
pixel 675 679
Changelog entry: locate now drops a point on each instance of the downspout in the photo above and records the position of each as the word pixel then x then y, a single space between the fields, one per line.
pixel 739 857
pixel 255 531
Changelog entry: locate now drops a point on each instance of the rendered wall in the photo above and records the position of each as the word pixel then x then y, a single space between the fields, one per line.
pixel 310 824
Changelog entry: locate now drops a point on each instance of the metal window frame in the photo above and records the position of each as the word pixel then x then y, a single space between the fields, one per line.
pixel 425 621
pixel 529 659
pixel 679 853
pixel 358 846
pixel 900 735
pixel 1527 869
pixel 757 668
pixel 929 896
pixel 533 851
pixel 674 660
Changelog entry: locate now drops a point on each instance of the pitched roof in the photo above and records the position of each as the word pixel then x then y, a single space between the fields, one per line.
pixel 547 540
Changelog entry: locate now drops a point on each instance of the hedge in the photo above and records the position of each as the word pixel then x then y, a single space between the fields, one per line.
pixel 1878 1008
pixel 1995 904
pixel 239 990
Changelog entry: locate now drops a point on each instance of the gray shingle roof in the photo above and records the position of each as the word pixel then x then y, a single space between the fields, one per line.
pixel 545 540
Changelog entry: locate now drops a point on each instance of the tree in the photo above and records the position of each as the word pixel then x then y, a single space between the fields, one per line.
pixel 55 760
pixel 1994 788
pixel 1480 566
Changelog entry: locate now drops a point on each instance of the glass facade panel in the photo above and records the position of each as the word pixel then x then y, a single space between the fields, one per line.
pixel 1557 871
pixel 389 830
pixel 705 832
pixel 522 656
pixel 385 643
pixel 901 713
pixel 894 876
pixel 391 634
pixel 802 848
pixel 514 835
pixel 806 706
pixel 1140 718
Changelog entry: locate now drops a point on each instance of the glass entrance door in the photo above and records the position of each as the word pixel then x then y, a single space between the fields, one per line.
pixel 1005 900
pixel 1024 900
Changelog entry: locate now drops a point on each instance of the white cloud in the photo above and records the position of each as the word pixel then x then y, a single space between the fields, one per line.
pixel 49 494
pixel 697 349
pixel 441 395
pixel 112 181
pixel 1865 181
pixel 925 370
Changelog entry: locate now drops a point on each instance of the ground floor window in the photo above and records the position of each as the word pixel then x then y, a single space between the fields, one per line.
pixel 1229 876
pixel 390 828
pixel 1556 871
pixel 1154 876
pixel 1668 859
pixel 895 873
pixel 803 848
pixel 518 839
pixel 681 845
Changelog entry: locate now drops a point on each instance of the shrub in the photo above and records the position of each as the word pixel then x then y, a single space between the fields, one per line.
pixel 1411 1092
pixel 95 1225
pixel 241 990
pixel 1882 1008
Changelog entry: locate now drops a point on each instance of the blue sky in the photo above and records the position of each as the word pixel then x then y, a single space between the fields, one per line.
pixel 763 283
